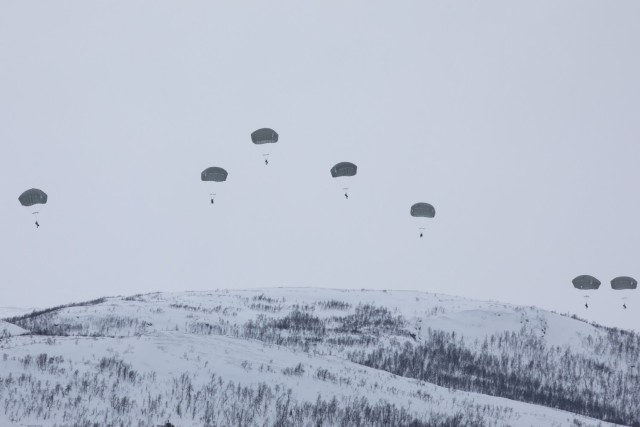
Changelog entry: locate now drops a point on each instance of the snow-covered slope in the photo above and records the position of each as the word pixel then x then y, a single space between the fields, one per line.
pixel 7 330
pixel 198 358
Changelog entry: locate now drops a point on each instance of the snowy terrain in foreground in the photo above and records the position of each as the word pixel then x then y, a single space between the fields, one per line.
pixel 280 356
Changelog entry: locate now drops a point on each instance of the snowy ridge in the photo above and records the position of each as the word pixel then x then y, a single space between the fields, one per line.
pixel 146 359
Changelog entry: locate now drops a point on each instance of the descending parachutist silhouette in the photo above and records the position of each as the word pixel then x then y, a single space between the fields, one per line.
pixel 624 283
pixel 424 210
pixel 33 197
pixel 214 174
pixel 344 169
pixel 264 136
pixel 586 283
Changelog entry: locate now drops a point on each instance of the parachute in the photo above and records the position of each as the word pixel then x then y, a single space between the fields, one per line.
pixel 423 210
pixel 343 169
pixel 586 283
pixel 624 282
pixel 32 197
pixel 214 174
pixel 264 136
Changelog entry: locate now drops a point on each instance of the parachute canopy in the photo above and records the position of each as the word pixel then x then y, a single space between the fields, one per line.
pixel 423 209
pixel 586 282
pixel 344 169
pixel 214 174
pixel 624 282
pixel 32 197
pixel 264 136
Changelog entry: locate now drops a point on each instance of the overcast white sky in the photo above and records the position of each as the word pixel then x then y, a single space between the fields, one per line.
pixel 518 121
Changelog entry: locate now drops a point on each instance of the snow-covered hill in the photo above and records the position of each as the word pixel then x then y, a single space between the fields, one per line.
pixel 300 356
pixel 7 330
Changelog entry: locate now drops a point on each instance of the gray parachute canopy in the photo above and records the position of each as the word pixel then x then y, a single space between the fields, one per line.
pixel 344 169
pixel 264 136
pixel 214 174
pixel 423 209
pixel 32 197
pixel 586 282
pixel 624 282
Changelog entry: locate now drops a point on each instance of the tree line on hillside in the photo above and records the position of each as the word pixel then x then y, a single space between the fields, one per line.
pixel 518 366
pixel 524 370
pixel 113 393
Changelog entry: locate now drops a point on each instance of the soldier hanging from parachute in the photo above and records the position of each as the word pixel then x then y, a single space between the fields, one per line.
pixel 264 136
pixel 586 283
pixel 344 169
pixel 422 210
pixel 214 174
pixel 32 197
pixel 623 283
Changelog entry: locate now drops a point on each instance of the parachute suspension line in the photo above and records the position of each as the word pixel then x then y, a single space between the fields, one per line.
pixel 586 300
pixel 586 297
